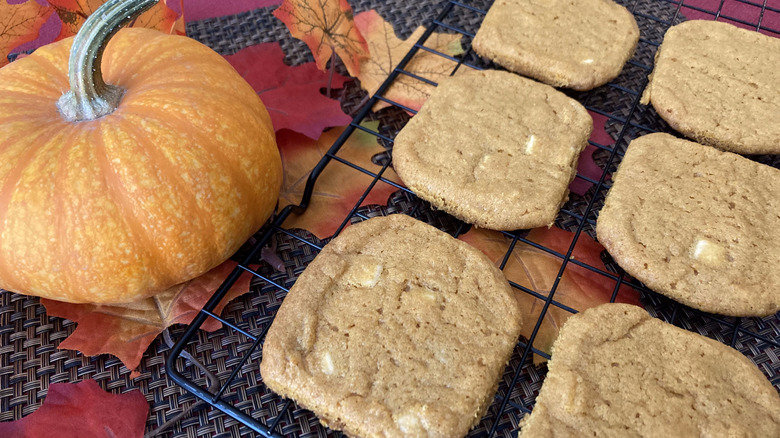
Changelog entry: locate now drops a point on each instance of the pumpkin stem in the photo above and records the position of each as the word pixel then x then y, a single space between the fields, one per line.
pixel 90 97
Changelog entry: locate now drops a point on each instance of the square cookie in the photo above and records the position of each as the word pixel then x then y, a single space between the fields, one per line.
pixel 719 85
pixel 617 372
pixel 572 44
pixel 396 329
pixel 696 224
pixel 494 149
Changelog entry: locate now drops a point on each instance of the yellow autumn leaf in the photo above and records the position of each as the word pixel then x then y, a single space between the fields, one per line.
pixel 387 50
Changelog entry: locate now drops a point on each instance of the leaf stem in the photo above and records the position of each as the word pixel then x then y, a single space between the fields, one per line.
pixel 331 70
pixel 359 105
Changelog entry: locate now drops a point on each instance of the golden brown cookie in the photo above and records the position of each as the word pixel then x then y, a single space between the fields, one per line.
pixel 719 85
pixel 579 45
pixel 617 372
pixel 493 149
pixel 396 329
pixel 696 224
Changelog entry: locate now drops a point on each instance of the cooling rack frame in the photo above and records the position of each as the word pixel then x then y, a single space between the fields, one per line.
pixel 626 127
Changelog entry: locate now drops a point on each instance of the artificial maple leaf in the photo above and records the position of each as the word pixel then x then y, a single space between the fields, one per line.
pixel 163 18
pixel 339 186
pixel 83 409
pixel 203 9
pixel 73 13
pixel 579 288
pixel 20 23
pixel 586 166
pixel 291 94
pixel 387 50
pixel 127 330
pixel 326 26
pixel 746 15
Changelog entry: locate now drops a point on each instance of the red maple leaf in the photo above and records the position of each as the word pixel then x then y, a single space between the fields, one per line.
pixel 586 166
pixel 291 94
pixel 740 13
pixel 203 9
pixel 127 330
pixel 83 410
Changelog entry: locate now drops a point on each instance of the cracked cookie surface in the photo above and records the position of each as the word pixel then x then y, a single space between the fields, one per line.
pixel 573 44
pixel 617 372
pixel 718 84
pixel 395 329
pixel 494 149
pixel 696 224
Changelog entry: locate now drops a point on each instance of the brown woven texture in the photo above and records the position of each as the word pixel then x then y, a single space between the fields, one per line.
pixel 30 361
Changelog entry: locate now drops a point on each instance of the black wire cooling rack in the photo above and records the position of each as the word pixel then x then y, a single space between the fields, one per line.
pixel 241 394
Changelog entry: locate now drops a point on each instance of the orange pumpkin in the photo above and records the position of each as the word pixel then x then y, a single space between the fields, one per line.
pixel 161 188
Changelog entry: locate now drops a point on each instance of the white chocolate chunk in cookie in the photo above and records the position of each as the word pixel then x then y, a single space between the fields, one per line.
pixel 365 272
pixel 529 145
pixel 326 361
pixel 709 252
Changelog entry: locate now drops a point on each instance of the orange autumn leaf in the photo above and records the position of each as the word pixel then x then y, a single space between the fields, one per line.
pixel 73 13
pixel 339 186
pixel 535 269
pixel 20 23
pixel 163 18
pixel 387 50
pixel 326 26
pixel 127 330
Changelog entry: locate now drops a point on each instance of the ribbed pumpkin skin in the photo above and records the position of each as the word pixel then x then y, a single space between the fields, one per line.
pixel 163 189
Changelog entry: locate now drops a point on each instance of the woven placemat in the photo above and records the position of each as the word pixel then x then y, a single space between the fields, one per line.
pixel 29 360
